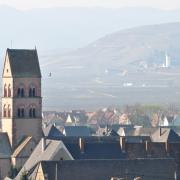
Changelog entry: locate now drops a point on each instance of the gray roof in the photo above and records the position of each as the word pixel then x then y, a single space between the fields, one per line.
pixel 77 131
pixel 24 62
pixel 149 169
pixel 5 147
pixel 52 147
pixel 165 135
pixel 51 131
pixel 106 147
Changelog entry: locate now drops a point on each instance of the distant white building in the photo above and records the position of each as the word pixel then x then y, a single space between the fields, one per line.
pixel 164 122
pixel 167 62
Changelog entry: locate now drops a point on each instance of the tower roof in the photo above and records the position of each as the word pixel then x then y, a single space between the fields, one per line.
pixel 23 62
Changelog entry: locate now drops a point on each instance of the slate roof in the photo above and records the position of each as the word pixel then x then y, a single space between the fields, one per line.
pixel 149 169
pixel 106 147
pixel 24 62
pixel 5 147
pixel 165 135
pixel 116 127
pixel 76 131
pixel 137 139
pixel 51 131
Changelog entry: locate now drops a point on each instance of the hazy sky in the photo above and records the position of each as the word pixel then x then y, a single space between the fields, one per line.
pixel 26 4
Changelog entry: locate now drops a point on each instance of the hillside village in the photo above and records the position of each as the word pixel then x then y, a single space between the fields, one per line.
pixel 109 144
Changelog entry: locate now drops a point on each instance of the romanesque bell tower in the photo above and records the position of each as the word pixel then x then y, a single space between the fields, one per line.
pixel 21 99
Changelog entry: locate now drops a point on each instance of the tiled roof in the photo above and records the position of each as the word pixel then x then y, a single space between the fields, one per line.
pixel 24 63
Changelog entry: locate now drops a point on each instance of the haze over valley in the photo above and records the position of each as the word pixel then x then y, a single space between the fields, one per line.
pixel 98 57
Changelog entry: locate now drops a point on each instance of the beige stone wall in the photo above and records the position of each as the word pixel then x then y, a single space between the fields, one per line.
pixel 7 126
pixel 6 68
pixel 27 103
pixel 5 165
pixel 27 82
pixel 20 127
pixel 27 127
pixel 22 157
pixel 40 174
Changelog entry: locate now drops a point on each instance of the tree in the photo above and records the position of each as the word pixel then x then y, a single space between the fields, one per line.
pixel 24 176
pixel 13 172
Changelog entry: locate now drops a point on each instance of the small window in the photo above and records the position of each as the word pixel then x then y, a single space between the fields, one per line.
pixel 30 92
pixel 9 111
pixel 33 92
pixel 34 112
pixel 5 90
pixel 4 111
pixel 19 92
pixel 30 113
pixel 20 112
pixel 22 92
pixel 7 70
pixel 9 90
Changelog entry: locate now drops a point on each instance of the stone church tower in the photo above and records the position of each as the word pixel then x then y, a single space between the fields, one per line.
pixel 21 99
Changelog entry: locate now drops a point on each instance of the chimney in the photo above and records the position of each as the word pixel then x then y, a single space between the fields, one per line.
pixel 81 144
pixel 123 143
pixel 160 130
pixel 146 146
pixel 167 147
pixel 43 143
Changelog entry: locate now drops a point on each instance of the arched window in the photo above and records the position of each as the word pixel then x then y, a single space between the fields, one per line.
pixel 21 112
pixel 34 112
pixel 30 113
pixel 22 92
pixel 19 92
pixel 9 111
pixel 9 90
pixel 30 92
pixel 5 90
pixel 4 111
pixel 33 92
